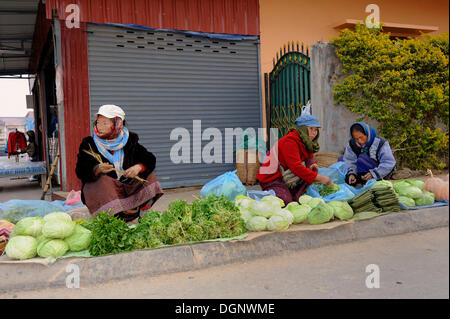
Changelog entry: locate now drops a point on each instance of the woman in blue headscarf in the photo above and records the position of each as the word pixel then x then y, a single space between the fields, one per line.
pixel 367 155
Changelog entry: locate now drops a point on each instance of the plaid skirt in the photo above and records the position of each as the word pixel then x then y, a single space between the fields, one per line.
pixel 109 194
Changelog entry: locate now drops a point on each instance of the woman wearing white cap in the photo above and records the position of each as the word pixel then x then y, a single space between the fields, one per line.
pixel 112 185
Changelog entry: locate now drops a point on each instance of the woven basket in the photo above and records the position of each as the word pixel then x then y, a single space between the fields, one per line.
pixel 325 159
pixel 247 166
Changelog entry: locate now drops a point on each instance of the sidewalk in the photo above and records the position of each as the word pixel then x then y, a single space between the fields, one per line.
pixel 181 258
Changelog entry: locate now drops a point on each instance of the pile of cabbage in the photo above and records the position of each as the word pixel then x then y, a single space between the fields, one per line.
pixel 51 236
pixel 411 193
pixel 271 213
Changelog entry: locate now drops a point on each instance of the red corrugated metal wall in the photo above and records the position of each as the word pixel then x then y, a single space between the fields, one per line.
pixel 76 96
pixel 215 16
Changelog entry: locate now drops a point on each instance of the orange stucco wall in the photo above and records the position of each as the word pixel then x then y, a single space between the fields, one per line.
pixel 312 21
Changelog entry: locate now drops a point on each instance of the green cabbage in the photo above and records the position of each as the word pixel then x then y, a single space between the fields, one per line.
pixel 300 212
pixel 382 183
pixel 80 239
pixel 285 214
pixel 21 247
pixel 257 223
pixel 52 248
pixel 276 202
pixel 58 228
pixel 407 201
pixel 57 216
pixel 418 183
pixel 341 210
pixel 406 188
pixel 260 208
pixel 304 199
pixel 322 213
pixel 29 226
pixel 427 198
pixel 277 222
pixel 244 202
pixel 245 214
pixel 315 201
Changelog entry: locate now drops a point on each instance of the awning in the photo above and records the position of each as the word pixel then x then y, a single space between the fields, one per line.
pixel 17 21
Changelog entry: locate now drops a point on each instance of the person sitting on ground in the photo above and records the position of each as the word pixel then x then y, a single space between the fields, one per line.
pixel 367 155
pixel 289 167
pixel 112 184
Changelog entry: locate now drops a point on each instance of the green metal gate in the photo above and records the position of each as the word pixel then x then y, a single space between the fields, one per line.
pixel 287 87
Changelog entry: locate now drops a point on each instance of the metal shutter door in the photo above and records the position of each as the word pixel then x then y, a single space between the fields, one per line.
pixel 165 80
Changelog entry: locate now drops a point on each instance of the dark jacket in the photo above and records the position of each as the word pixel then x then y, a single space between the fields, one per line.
pixel 134 153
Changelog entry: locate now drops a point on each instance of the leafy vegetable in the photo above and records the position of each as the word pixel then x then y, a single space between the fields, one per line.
pixel 326 190
pixel 285 214
pixel 21 247
pixel 418 183
pixel 52 248
pixel 304 199
pixel 29 226
pixel 315 201
pixel 407 201
pixel 264 209
pixel 110 235
pixel 341 210
pixel 427 198
pixel 80 239
pixel 58 216
pixel 276 202
pixel 277 222
pixel 322 213
pixel 58 228
pixel 300 212
pixel 382 183
pixel 257 223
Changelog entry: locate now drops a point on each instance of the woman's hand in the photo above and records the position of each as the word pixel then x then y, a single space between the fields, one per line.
pixel 325 180
pixel 104 168
pixel 133 171
pixel 351 179
pixel 314 167
pixel 367 176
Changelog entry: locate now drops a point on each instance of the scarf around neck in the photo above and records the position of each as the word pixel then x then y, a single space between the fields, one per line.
pixel 116 145
pixel 311 146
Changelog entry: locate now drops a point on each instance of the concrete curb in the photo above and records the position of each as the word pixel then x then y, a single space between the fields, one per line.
pixel 14 277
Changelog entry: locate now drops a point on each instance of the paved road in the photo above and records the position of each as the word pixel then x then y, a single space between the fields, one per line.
pixel 414 265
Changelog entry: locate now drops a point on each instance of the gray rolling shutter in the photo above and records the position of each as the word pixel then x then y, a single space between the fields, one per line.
pixel 165 80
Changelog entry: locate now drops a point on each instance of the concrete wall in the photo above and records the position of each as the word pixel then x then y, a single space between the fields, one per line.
pixel 335 120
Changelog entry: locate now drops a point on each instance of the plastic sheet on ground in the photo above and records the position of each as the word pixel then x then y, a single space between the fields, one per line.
pixel 437 203
pixel 16 209
pixel 258 195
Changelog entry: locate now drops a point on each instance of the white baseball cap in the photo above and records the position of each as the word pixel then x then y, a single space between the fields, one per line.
pixel 111 111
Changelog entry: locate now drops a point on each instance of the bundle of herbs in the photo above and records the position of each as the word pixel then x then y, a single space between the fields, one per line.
pixel 207 218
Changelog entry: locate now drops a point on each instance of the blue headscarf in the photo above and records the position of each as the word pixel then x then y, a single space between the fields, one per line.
pixel 369 132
